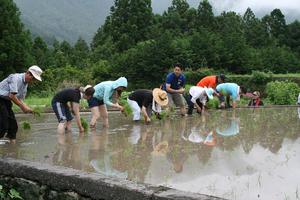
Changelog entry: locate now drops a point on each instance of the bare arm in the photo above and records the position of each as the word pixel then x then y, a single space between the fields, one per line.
pixel 146 117
pixel 75 107
pixel 20 103
pixel 170 90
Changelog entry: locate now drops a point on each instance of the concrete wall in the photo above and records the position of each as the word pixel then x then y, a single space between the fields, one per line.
pixel 42 181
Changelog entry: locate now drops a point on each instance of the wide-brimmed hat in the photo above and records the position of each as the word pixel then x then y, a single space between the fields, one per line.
pixel 160 96
pixel 161 148
pixel 36 72
pixel 86 87
pixel 209 92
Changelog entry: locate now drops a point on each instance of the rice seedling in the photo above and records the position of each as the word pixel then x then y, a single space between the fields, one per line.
pixel 84 124
pixel 26 125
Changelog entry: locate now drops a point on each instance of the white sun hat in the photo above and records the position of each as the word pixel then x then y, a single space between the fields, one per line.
pixel 36 72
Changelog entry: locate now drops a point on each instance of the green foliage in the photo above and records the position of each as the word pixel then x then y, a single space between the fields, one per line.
pixel 282 92
pixel 37 111
pixel 213 103
pixel 194 76
pixel 123 102
pixel 57 78
pixel 26 125
pixel 259 78
pixel 11 194
pixel 128 23
pixel 101 71
pixel 84 124
pixel 135 43
pixel 15 42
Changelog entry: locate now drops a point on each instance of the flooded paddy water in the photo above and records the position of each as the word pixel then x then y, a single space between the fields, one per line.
pixel 241 154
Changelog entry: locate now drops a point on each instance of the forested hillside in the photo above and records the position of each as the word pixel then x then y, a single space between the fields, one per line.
pixel 141 45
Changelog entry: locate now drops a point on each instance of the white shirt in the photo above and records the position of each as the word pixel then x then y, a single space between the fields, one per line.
pixel 198 93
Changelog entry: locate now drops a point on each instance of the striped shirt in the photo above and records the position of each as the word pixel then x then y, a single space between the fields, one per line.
pixel 14 83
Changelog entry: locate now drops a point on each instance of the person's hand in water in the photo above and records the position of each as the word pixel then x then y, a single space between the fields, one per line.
pixel 158 116
pixel 81 129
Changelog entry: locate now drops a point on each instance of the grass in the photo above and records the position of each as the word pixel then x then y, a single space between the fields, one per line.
pixel 41 104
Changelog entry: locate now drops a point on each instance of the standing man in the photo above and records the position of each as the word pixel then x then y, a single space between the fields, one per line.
pixel 174 87
pixel 14 89
pixel 211 81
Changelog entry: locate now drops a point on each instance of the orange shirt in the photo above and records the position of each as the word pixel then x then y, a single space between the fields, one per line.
pixel 208 81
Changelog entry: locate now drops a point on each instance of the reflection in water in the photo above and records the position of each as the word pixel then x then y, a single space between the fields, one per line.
pixel 231 130
pixel 99 159
pixel 234 155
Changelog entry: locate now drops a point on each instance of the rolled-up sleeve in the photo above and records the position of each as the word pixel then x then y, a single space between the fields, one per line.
pixel 13 84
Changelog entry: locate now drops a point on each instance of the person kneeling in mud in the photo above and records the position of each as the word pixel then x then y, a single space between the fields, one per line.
pixel 255 99
pixel 198 97
pixel 61 108
pixel 146 101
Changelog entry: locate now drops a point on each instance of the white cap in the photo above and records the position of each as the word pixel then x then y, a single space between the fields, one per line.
pixel 36 72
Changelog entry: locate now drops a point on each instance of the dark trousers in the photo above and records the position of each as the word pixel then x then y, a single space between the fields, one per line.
pixel 8 122
pixel 191 104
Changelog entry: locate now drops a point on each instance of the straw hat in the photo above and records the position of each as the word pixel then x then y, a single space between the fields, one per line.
pixel 86 87
pixel 161 148
pixel 83 89
pixel 256 93
pixel 160 96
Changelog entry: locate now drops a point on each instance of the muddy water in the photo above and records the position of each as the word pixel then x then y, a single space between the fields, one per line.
pixel 246 154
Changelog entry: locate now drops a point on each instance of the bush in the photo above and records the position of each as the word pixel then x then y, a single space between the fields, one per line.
pixel 282 92
pixel 193 77
pixel 55 79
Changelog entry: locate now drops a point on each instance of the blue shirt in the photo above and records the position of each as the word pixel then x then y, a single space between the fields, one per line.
pixel 231 89
pixel 174 81
pixel 105 90
pixel 14 83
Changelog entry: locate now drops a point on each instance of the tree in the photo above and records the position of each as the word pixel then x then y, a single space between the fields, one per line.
pixel 279 59
pixel 207 49
pixel 293 36
pixel 205 16
pixel 81 53
pixel 235 52
pixel 275 25
pixel 179 18
pixel 147 64
pixel 129 22
pixel 255 33
pixel 41 53
pixel 15 42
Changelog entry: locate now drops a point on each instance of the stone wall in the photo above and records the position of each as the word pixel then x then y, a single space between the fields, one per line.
pixel 42 181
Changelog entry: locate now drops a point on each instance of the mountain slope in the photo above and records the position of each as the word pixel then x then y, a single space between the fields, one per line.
pixel 64 19
pixel 70 19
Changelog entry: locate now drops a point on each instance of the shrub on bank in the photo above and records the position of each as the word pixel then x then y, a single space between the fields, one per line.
pixel 282 92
